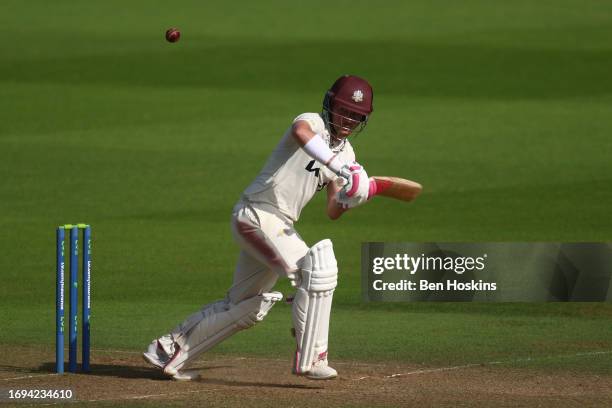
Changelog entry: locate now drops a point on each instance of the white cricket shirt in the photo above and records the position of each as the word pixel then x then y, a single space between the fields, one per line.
pixel 290 177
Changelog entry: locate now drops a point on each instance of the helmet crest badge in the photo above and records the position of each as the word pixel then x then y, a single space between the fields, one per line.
pixel 357 96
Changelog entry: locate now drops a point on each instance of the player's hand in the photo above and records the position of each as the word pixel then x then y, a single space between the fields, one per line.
pixel 345 173
pixel 356 191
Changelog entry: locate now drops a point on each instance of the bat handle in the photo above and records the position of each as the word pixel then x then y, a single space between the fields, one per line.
pixel 341 182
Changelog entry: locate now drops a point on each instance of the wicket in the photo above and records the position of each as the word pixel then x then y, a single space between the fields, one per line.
pixel 86 297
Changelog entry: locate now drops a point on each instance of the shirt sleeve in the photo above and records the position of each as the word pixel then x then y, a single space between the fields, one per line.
pixel 313 119
pixel 350 154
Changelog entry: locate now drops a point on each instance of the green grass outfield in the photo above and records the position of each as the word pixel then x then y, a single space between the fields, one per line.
pixel 502 112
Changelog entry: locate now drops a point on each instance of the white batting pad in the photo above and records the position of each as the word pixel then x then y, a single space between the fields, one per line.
pixel 216 322
pixel 312 305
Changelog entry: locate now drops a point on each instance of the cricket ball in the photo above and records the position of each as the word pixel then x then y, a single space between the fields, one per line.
pixel 173 35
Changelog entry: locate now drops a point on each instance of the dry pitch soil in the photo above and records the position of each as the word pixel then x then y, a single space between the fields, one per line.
pixel 122 378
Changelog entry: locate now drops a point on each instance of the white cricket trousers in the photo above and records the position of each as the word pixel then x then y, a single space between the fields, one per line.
pixel 270 248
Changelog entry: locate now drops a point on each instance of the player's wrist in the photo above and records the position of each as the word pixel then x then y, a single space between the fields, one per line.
pixel 339 168
pixel 318 149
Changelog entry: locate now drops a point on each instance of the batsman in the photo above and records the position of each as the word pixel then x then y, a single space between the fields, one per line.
pixel 313 154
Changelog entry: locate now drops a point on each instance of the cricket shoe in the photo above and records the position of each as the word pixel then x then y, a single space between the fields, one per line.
pixel 160 353
pixel 156 355
pixel 171 370
pixel 319 370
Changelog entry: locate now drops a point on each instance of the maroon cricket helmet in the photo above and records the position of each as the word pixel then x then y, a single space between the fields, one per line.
pixel 351 93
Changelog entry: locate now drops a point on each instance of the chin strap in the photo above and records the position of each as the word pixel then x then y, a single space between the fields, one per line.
pixel 336 144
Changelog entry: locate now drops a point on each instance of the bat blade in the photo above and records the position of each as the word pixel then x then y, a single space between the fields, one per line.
pixel 396 187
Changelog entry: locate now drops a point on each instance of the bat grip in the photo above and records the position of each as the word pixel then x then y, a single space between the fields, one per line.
pixel 373 189
pixel 341 182
pixel 377 187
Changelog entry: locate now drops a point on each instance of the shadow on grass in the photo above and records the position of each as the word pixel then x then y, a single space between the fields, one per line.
pixel 138 372
pixel 112 370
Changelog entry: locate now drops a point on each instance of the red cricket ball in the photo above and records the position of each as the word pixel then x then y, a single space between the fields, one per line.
pixel 173 35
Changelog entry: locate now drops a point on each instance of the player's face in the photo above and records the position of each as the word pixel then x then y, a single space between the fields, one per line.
pixel 344 121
